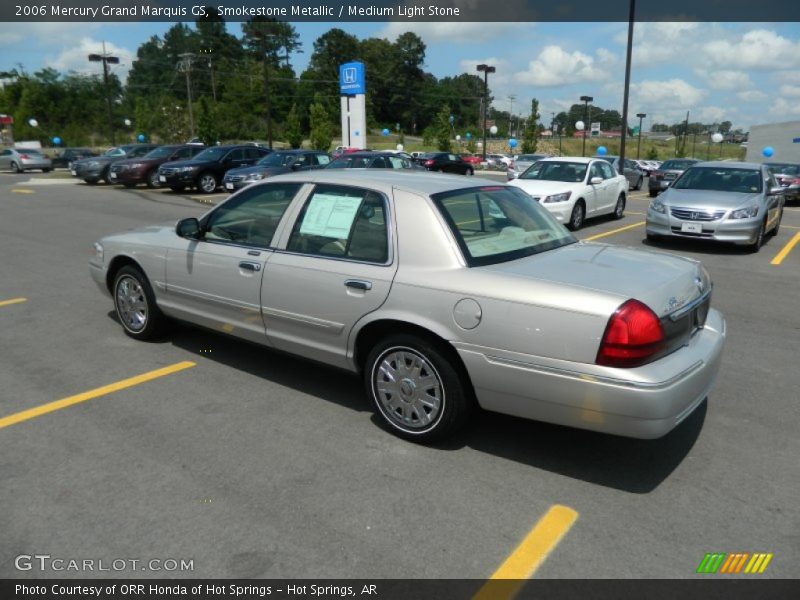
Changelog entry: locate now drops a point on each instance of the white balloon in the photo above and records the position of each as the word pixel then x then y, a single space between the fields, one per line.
pixel 716 138
pixel 580 125
pixel 33 122
pixel 127 122
pixel 480 144
pixel 399 146
pixel 493 129
pixel 458 138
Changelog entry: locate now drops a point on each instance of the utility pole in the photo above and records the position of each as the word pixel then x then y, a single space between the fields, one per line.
pixel 186 67
pixel 511 99
pixel 586 123
pixel 639 144
pixel 107 59
pixel 486 69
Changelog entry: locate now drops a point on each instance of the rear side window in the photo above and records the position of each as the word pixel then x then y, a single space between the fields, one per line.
pixel 321 159
pixel 343 222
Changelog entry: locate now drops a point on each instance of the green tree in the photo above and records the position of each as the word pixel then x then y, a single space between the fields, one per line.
pixel 207 123
pixel 443 129
pixel 294 134
pixel 652 154
pixel 530 137
pixel 321 129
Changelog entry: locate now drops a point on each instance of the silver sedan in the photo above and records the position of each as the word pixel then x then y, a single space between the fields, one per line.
pixel 721 201
pixel 21 159
pixel 445 295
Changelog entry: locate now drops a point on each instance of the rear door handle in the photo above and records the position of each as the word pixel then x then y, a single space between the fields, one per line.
pixel 358 284
pixel 249 266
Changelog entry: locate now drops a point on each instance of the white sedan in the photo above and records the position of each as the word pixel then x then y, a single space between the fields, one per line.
pixel 574 188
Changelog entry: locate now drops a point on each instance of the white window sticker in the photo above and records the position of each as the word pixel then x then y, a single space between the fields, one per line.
pixel 330 216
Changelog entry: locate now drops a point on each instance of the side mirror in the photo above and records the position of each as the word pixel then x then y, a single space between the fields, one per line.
pixel 188 228
pixel 596 180
pixel 777 191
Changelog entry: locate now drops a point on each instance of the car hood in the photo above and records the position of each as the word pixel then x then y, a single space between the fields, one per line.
pixel 189 163
pixel 707 199
pixel 99 159
pixel 662 281
pixel 153 235
pixel 537 187
pixel 257 169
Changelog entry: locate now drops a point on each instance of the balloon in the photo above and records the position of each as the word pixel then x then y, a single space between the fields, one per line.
pixel 127 122
pixel 33 122
pixel 768 151
pixel 399 147
pixel 56 141
pixel 451 119
pixel 480 144
pixel 458 138
pixel 468 135
pixel 356 133
pixel 493 129
pixel 580 125
pixel 140 137
pixel 716 138
pixel 385 132
pixel 602 151
pixel 512 143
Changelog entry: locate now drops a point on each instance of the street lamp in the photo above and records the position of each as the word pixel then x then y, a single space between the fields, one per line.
pixel 639 145
pixel 107 59
pixel 485 69
pixel 585 100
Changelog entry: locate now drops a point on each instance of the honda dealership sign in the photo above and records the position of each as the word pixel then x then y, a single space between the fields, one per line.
pixel 352 87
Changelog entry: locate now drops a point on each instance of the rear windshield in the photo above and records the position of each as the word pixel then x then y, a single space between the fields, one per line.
pixel 212 154
pixel 556 171
pixel 744 181
pixel 678 165
pixel 162 152
pixel 788 169
pixel 494 224
pixel 279 159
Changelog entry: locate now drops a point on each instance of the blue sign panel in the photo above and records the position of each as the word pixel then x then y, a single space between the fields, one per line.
pixel 796 140
pixel 351 79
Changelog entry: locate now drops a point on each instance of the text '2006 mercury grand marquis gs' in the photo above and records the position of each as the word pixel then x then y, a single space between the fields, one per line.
pixel 444 294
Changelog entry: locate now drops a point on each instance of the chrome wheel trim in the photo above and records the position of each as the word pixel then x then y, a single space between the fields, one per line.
pixel 131 304
pixel 577 216
pixel 619 209
pixel 208 184
pixel 153 178
pixel 408 389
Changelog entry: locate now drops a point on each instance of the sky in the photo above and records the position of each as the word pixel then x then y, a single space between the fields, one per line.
pixel 746 73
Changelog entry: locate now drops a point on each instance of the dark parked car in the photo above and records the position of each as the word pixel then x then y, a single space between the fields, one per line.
pixel 446 162
pixel 788 177
pixel 633 173
pixel 206 170
pixel 667 173
pixel 131 171
pixel 66 156
pixel 95 168
pixel 276 163
pixel 371 160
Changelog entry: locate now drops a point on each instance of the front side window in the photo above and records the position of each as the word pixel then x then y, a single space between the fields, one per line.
pixel 322 159
pixel 605 168
pixel 495 224
pixel 251 217
pixel 342 222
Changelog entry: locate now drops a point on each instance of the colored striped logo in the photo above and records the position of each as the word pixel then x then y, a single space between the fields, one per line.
pixel 735 563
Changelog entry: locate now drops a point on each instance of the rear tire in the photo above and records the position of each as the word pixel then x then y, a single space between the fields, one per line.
pixel 619 209
pixel 91 181
pixel 417 389
pixel 16 168
pixel 105 177
pixel 135 304
pixel 653 193
pixel 46 170
pixel 469 172
pixel 577 217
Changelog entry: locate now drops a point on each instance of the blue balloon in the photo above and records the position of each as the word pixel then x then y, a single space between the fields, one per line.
pixel 602 151
pixel 768 151
pixel 451 119
pixel 56 141
pixel 356 133
pixel 512 143
pixel 385 132
pixel 468 135
pixel 140 137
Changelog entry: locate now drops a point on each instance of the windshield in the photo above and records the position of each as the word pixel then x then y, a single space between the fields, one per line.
pixel 744 181
pixel 787 169
pixel 677 165
pixel 115 152
pixel 556 171
pixel 162 152
pixel 212 153
pixel 278 159
pixel 494 224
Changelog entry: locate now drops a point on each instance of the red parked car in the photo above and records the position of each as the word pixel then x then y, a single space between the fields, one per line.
pixel 472 159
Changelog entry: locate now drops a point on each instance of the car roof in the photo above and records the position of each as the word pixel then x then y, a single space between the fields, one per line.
pixel 729 165
pixel 420 182
pixel 573 159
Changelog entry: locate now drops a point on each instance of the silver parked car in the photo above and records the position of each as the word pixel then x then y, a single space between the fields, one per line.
pixel 445 294
pixel 521 163
pixel 661 178
pixel 721 201
pixel 23 159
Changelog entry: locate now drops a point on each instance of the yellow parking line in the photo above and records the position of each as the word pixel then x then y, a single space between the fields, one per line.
pixel 612 232
pixel 22 191
pixel 38 411
pixel 786 249
pixel 526 558
pixel 12 301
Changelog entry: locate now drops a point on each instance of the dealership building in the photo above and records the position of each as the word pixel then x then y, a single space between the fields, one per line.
pixel 783 138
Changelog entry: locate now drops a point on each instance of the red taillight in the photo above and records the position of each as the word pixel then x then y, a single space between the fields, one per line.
pixel 795 182
pixel 24 156
pixel 428 163
pixel 633 335
pixel 657 174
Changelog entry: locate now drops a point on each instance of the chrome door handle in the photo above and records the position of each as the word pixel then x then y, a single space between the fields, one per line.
pixel 358 284
pixel 249 266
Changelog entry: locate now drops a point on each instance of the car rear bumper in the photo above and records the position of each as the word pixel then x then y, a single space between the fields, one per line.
pixel 36 164
pixel 645 402
pixel 738 231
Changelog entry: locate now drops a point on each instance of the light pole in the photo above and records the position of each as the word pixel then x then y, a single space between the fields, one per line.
pixel 186 65
pixel 585 100
pixel 511 99
pixel 107 59
pixel 639 144
pixel 486 69
pixel 627 87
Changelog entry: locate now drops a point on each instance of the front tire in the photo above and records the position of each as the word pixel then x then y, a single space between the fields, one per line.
pixel 653 193
pixel 16 168
pixel 619 209
pixel 762 233
pixel 177 188
pixel 577 216
pixel 777 225
pixel 469 172
pixel 135 304
pixel 207 183
pixel 416 388
pixel 152 179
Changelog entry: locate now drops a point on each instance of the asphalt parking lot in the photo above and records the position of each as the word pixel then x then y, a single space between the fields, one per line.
pixel 253 464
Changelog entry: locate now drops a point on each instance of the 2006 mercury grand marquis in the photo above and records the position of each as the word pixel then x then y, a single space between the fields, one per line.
pixel 445 294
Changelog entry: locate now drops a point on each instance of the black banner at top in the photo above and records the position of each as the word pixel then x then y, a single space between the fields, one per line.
pixel 410 11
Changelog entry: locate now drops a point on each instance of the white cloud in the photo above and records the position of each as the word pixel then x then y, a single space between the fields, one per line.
pixel 44 34
pixel 751 96
pixel 467 33
pixel 790 90
pixel 726 80
pixel 555 67
pixel 75 58
pixel 783 108
pixel 757 49
pixel 676 94
pixel 500 77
